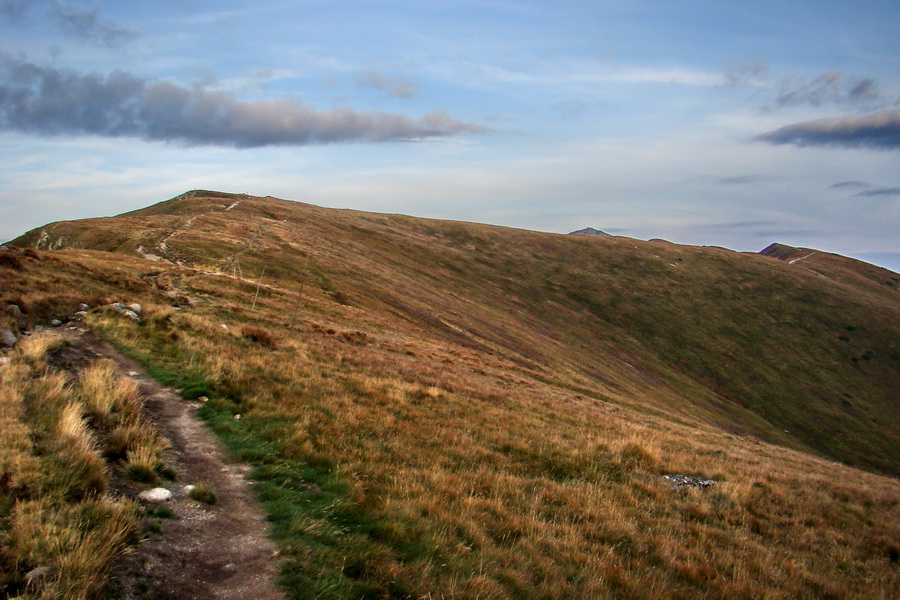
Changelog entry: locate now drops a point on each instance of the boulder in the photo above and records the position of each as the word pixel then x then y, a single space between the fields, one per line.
pixel 55 322
pixel 156 495
pixel 14 309
pixel 83 307
pixel 134 307
pixel 8 338
pixel 125 311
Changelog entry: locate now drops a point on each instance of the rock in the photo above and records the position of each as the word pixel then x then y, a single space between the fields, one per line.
pixel 188 489
pixel 678 481
pixel 80 314
pixel 55 322
pixel 134 307
pixel 155 495
pixel 35 577
pixel 202 399
pixel 84 307
pixel 125 311
pixel 14 309
pixel 8 338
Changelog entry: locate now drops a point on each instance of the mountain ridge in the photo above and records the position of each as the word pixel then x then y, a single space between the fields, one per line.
pixel 433 408
pixel 651 295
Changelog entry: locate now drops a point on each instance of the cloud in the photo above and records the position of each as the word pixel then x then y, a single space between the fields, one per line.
pixel 570 108
pixel 880 131
pixel 749 73
pixel 88 24
pixel 15 10
pixel 850 185
pixel 48 101
pixel 740 179
pixel 885 191
pixel 79 22
pixel 395 86
pixel 832 87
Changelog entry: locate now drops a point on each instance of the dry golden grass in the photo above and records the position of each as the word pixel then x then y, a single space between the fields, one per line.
pixel 57 524
pixel 474 480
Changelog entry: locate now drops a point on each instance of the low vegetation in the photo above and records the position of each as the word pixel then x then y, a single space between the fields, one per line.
pixel 456 411
pixel 61 529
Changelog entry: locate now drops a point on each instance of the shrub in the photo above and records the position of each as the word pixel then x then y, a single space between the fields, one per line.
pixel 258 335
pixel 10 261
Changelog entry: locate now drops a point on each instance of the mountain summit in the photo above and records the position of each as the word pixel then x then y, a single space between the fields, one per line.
pixel 590 231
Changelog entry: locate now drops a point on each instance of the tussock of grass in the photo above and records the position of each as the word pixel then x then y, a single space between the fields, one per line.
pixel 107 397
pixel 204 493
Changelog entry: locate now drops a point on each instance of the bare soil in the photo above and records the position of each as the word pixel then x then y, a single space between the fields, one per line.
pixel 205 552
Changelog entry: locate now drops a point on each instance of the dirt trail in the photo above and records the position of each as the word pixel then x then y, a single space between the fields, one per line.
pixel 205 552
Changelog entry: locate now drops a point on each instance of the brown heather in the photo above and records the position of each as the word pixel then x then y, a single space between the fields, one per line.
pixel 463 411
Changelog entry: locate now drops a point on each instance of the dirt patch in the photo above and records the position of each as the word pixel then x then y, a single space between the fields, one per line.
pixel 203 552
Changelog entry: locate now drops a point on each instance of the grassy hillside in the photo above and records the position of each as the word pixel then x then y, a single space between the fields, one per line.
pixel 449 410
pixel 808 359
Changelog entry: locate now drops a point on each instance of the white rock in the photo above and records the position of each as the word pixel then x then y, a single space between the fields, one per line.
pixel 159 494
pixel 84 307
pixel 80 314
pixel 134 307
pixel 55 322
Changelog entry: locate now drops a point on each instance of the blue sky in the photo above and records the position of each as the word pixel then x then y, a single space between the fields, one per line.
pixel 722 123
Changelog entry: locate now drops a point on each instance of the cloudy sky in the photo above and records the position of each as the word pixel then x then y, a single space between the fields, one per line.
pixel 713 122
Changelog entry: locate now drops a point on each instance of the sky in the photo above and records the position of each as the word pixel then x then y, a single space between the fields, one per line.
pixel 718 122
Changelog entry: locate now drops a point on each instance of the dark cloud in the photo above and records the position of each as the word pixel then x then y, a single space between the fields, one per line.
pixel 885 191
pixel 88 24
pixel 832 87
pixel 395 86
pixel 880 131
pixel 48 101
pixel 850 185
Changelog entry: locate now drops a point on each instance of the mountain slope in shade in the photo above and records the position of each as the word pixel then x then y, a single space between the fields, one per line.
pixel 805 357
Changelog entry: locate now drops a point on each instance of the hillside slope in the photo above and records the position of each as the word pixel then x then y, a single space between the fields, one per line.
pixel 448 410
pixel 805 358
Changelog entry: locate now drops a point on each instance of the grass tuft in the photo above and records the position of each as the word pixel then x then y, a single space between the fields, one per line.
pixel 204 493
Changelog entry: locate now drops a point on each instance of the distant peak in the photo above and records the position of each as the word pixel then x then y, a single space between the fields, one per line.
pixel 590 231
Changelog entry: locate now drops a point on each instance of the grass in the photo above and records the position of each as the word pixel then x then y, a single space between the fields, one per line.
pixel 459 411
pixel 56 517
pixel 203 493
